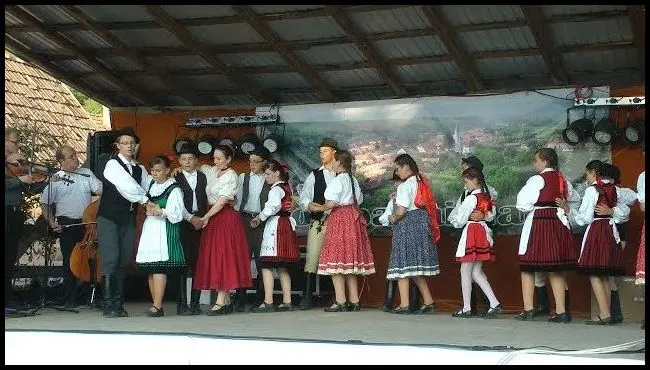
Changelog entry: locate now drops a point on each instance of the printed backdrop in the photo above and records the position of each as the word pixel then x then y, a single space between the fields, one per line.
pixel 502 130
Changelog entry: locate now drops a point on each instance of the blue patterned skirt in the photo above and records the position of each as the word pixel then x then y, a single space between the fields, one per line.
pixel 413 253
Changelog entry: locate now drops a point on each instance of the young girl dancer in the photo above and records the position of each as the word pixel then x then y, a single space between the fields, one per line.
pixel 346 250
pixel 160 251
pixel 383 220
pixel 546 242
pixel 224 258
pixel 601 252
pixel 279 248
pixel 475 245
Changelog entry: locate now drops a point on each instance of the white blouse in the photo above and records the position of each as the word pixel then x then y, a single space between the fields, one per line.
pixel 528 195
pixel 640 188
pixel 273 203
pixel 125 184
pixel 220 186
pixel 626 196
pixel 173 211
pixel 307 192
pixel 383 219
pixel 339 190
pixel 585 214
pixel 489 217
pixel 459 219
pixel 405 194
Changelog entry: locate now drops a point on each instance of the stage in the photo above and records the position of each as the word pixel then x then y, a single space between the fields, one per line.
pixel 369 336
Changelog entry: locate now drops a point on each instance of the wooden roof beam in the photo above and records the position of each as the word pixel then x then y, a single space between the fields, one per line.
pixel 440 25
pixel 174 87
pixel 192 43
pixel 637 18
pixel 377 62
pixel 27 18
pixel 544 39
pixel 294 60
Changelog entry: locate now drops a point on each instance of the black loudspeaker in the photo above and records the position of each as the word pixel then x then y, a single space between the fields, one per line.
pixel 99 150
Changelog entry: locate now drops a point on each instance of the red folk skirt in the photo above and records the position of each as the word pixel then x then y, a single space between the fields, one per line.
pixel 477 247
pixel 224 258
pixel 601 255
pixel 640 259
pixel 346 248
pixel 550 244
pixel 288 251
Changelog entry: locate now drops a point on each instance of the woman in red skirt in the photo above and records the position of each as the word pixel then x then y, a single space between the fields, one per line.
pixel 279 248
pixel 640 259
pixel 546 243
pixel 346 250
pixel 224 258
pixel 475 245
pixel 601 252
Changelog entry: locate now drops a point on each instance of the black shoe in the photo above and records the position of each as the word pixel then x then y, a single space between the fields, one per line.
pixel 159 312
pixel 401 310
pixel 462 314
pixel 542 308
pixel 284 307
pixel 493 312
pixel 386 308
pixel 306 301
pixel 221 310
pixel 352 307
pixel 184 311
pixel 427 308
pixel 560 317
pixel 606 321
pixel 525 315
pixel 264 308
pixel 336 307
pixel 195 309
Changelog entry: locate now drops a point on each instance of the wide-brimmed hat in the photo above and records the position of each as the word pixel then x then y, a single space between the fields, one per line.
pixel 262 152
pixel 473 161
pixel 127 131
pixel 330 143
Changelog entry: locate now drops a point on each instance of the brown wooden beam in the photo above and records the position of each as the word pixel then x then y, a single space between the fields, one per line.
pixel 440 25
pixel 27 18
pixel 368 50
pixel 104 97
pixel 544 39
pixel 192 43
pixel 294 60
pixel 174 87
pixel 637 18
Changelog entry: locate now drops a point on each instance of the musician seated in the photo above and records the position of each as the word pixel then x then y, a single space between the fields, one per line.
pixel 71 195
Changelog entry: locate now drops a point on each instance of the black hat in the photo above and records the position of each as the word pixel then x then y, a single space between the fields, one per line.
pixel 188 148
pixel 262 152
pixel 329 142
pixel 473 161
pixel 127 131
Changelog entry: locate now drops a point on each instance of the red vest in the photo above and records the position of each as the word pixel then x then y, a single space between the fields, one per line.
pixel 551 189
pixel 286 200
pixel 483 204
pixel 606 195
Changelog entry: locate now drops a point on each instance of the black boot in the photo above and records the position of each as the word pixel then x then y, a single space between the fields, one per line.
pixel 240 302
pixel 259 289
pixel 195 307
pixel 118 295
pixel 615 308
pixel 567 304
pixel 107 304
pixel 306 301
pixel 414 297
pixel 542 308
pixel 390 294
pixel 181 303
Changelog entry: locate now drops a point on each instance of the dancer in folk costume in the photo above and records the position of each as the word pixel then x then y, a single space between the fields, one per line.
pixel 546 242
pixel 160 252
pixel 383 220
pixel 346 250
pixel 279 249
pixel 640 259
pixel 476 244
pixel 224 258
pixel 601 253
pixel 627 197
pixel 414 253
pixel 313 190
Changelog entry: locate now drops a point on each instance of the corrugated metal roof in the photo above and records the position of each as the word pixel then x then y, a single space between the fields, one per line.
pixel 117 13
pixel 559 10
pixel 475 14
pixel 355 77
pixel 519 83
pixel 524 65
pixel 299 98
pixel 601 61
pixel 306 29
pixel 237 99
pixel 86 39
pixel 411 47
pixel 428 72
pixel 253 59
pixel 331 54
pixel 49 13
pixel 152 83
pixel 100 82
pixel 179 62
pixel 236 33
pixel 73 65
pixel 374 94
pixel 267 9
pixel 36 41
pixel 389 20
pixel 197 11
pixel 151 37
pixel 499 39
pixel 449 87
pixel 120 63
pixel 10 20
pixel 279 80
pixel 598 32
pixel 208 83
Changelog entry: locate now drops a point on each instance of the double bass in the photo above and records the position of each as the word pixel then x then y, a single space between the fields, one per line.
pixel 84 260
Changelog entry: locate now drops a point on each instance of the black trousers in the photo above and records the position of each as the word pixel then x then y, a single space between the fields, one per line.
pixel 116 242
pixel 14 225
pixel 67 239
pixel 191 241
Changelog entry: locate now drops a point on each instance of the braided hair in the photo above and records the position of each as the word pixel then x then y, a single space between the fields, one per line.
pixel 473 173
pixel 345 158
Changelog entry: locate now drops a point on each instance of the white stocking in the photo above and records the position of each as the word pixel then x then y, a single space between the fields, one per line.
pixel 466 284
pixel 540 279
pixel 479 277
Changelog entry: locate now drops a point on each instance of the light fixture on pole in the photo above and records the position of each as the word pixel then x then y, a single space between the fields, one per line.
pixel 205 145
pixel 272 142
pixel 228 142
pixel 635 132
pixel 248 143
pixel 605 131
pixel 578 130
pixel 179 143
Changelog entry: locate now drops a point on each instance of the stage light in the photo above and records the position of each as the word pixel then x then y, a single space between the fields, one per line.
pixel 248 120
pixel 604 131
pixel 178 143
pixel 228 142
pixel 634 132
pixel 248 143
pixel 205 145
pixel 272 142
pixel 577 131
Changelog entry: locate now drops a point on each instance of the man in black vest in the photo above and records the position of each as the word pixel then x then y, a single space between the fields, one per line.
pixel 313 190
pixel 193 184
pixel 252 193
pixel 124 182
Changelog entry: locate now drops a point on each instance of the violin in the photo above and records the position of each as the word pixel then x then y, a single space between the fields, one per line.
pixel 39 172
pixel 84 259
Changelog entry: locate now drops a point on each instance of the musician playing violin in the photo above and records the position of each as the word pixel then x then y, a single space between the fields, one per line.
pixel 15 188
pixel 71 198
